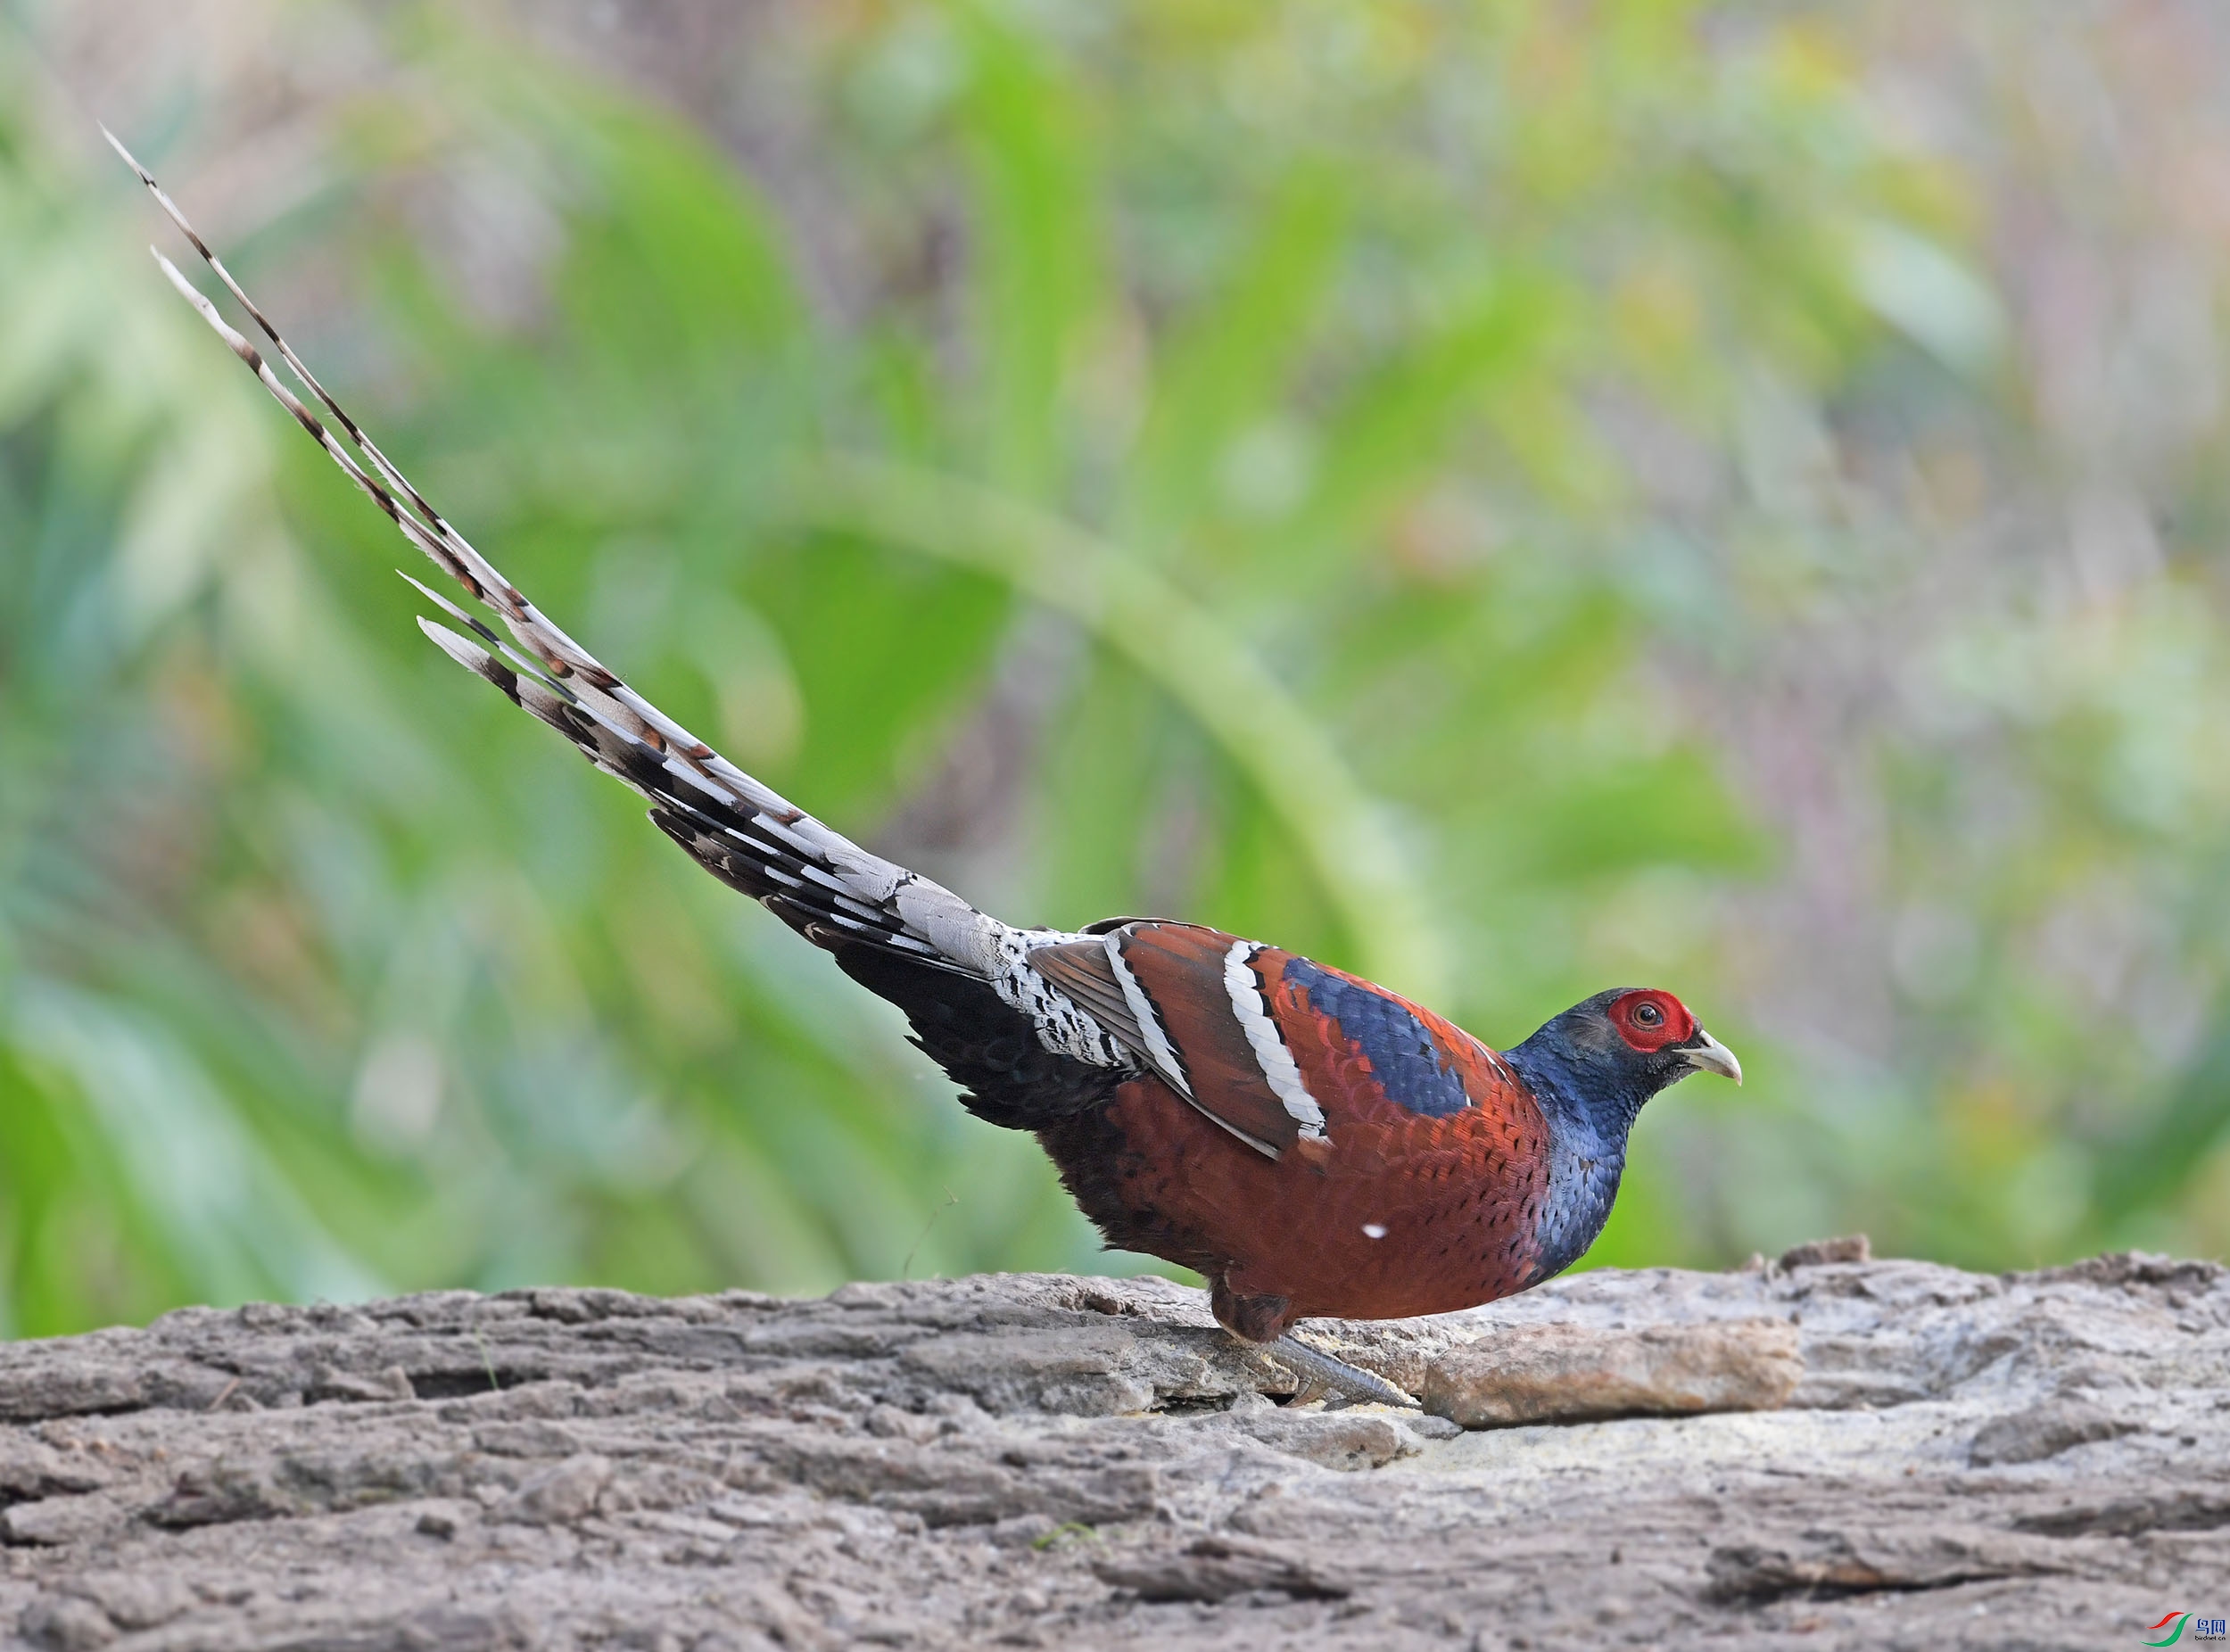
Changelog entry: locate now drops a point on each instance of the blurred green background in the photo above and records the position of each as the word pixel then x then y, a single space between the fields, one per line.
pixel 1513 498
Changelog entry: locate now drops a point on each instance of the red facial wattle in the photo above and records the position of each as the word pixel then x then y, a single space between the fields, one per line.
pixel 1648 1020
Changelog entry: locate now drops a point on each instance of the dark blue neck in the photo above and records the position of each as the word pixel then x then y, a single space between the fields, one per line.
pixel 1588 1111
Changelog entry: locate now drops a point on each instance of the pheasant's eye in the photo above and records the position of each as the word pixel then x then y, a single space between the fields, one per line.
pixel 1648 1014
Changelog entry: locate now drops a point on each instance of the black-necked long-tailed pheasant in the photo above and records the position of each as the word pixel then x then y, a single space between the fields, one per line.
pixel 1310 1143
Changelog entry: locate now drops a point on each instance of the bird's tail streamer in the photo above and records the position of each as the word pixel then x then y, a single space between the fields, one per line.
pixel 817 880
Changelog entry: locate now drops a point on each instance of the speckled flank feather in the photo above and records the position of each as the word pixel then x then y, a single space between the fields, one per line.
pixel 822 884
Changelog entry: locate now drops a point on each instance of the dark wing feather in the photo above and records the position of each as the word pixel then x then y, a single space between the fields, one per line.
pixel 1007 1077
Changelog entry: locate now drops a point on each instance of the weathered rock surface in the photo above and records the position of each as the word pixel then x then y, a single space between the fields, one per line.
pixel 1578 1373
pixel 2037 1459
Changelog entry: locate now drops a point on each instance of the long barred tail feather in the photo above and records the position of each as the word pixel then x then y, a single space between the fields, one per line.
pixel 732 845
pixel 821 884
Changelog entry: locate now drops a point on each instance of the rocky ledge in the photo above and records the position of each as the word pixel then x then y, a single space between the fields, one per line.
pixel 2039 1459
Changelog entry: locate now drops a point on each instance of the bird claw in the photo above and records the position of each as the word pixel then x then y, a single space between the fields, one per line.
pixel 1318 1369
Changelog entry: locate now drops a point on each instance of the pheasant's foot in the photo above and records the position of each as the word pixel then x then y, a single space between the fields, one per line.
pixel 1315 1367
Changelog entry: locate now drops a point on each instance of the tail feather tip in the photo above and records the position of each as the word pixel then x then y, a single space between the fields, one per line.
pixel 471 656
pixel 478 661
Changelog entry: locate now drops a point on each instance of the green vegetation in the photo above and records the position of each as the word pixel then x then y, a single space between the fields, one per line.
pixel 1511 499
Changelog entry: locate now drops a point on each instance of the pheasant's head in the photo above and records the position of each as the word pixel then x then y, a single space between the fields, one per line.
pixel 1610 1054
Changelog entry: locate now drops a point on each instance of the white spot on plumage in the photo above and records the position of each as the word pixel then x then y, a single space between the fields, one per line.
pixel 1373 1230
pixel 1270 1053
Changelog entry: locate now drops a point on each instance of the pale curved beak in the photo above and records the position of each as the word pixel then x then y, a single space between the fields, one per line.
pixel 1707 1054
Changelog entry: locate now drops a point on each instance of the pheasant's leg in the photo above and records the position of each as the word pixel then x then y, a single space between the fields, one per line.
pixel 1260 1321
pixel 1258 1317
pixel 1313 1365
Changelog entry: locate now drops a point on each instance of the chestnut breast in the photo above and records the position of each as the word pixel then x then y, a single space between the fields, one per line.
pixel 1410 1162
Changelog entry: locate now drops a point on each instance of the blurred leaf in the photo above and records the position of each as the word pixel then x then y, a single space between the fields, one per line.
pixel 1035 258
pixel 1232 364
